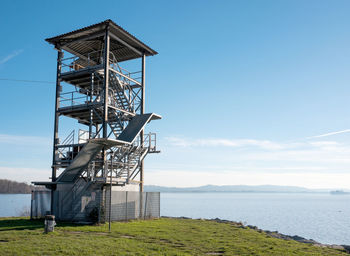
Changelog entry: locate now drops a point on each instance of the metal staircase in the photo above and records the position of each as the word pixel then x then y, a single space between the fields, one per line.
pixel 71 203
pixel 119 94
pixel 128 160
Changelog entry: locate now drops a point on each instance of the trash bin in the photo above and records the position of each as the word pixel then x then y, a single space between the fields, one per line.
pixel 49 223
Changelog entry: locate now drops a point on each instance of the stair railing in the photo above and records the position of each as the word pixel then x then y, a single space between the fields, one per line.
pixel 66 146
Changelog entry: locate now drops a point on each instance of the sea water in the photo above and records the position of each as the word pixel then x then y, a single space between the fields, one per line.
pixel 319 216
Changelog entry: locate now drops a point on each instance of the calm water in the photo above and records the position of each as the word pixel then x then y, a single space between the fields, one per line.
pixel 322 217
pixel 14 205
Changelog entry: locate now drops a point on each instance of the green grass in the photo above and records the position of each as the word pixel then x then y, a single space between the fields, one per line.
pixel 21 236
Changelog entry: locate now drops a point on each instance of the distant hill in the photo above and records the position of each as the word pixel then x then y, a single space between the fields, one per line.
pixel 236 188
pixel 14 187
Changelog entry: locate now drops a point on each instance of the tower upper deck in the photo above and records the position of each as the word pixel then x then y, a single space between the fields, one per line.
pixel 83 42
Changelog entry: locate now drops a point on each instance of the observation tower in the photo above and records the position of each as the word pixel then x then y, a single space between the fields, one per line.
pixel 105 147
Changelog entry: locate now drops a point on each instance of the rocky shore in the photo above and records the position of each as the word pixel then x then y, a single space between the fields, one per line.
pixel 275 234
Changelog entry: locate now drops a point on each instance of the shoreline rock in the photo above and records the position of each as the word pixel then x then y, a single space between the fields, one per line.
pixel 275 234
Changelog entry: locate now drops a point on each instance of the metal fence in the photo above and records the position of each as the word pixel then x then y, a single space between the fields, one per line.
pixel 127 205
pixel 40 204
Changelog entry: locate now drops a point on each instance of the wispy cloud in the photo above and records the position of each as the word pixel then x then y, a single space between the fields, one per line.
pixel 260 155
pixel 329 134
pixel 265 145
pixel 10 56
pixel 217 142
pixel 24 140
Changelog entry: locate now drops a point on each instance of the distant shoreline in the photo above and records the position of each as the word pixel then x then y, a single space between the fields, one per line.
pixel 13 187
pixel 244 192
pixel 226 192
pixel 15 193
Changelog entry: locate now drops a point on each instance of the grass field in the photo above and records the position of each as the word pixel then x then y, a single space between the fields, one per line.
pixel 21 236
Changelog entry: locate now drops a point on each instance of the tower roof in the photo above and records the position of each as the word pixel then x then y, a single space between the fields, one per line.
pixel 82 42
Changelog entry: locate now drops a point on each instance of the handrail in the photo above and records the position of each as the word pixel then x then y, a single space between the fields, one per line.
pixel 65 147
pixel 73 98
pixel 122 90
pixel 69 138
pixel 135 153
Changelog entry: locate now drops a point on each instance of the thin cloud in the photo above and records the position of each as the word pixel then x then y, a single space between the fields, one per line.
pixel 24 140
pixel 10 56
pixel 263 146
pixel 217 142
pixel 329 134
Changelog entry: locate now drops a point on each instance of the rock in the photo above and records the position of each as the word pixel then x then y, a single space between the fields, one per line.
pixel 298 238
pixel 346 248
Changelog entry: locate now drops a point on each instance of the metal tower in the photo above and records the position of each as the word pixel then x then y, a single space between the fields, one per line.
pixel 108 144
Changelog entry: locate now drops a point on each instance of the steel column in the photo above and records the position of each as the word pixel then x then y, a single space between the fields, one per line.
pixel 105 108
pixel 57 105
pixel 91 110
pixel 106 81
pixel 142 112
pixel 57 116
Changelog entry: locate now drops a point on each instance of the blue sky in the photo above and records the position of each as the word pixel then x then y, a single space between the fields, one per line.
pixel 243 88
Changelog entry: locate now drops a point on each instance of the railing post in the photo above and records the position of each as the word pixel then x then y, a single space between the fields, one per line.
pixel 126 205
pixel 149 141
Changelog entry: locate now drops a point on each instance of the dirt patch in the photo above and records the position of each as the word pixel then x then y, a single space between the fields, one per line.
pixel 89 233
pixel 125 236
pixel 215 253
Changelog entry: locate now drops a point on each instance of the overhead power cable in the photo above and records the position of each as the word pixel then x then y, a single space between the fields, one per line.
pixel 26 81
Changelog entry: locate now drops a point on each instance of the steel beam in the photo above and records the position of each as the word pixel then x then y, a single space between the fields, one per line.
pixel 126 44
pixel 77 54
pixel 82 38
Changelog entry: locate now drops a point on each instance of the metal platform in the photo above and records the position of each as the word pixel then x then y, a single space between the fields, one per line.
pixel 82 113
pixel 82 77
